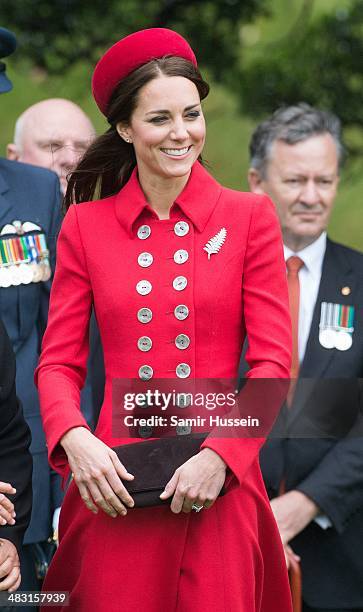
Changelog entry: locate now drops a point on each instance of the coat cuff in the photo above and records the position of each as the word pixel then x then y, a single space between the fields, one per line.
pixel 56 453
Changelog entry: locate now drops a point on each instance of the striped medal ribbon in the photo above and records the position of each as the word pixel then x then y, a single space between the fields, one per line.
pixel 24 256
pixel 336 326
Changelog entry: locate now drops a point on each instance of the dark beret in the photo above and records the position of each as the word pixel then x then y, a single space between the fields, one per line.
pixel 132 52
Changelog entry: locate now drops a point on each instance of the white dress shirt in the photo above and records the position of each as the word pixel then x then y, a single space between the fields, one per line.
pixel 309 278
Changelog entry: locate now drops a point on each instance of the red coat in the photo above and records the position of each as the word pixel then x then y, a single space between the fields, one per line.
pixel 228 557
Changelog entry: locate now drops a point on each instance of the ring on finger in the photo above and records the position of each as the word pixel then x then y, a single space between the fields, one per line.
pixel 197 507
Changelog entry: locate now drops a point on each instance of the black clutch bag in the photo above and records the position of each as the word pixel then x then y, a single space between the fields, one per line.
pixel 153 463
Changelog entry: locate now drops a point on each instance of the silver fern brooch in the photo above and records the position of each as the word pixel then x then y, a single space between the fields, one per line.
pixel 214 245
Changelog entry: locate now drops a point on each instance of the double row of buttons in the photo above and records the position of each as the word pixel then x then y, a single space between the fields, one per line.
pixel 181 228
pixel 182 370
pixel 145 343
pixel 144 287
pixel 145 259
pixel 181 312
pixel 145 315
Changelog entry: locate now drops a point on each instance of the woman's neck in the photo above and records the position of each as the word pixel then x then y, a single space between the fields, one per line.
pixel 161 193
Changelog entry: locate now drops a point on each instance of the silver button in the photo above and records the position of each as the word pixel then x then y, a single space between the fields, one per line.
pixel 183 430
pixel 146 372
pixel 145 431
pixel 182 341
pixel 181 256
pixel 144 315
pixel 144 343
pixel 183 400
pixel 179 283
pixel 181 312
pixel 143 287
pixel 181 228
pixel 144 232
pixel 183 370
pixel 145 260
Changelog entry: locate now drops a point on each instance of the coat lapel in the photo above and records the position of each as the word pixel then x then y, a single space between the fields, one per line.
pixel 336 274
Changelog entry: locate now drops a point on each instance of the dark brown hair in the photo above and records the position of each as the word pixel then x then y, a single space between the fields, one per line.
pixel 108 163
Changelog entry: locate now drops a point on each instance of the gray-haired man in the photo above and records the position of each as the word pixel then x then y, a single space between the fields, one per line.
pixel 314 472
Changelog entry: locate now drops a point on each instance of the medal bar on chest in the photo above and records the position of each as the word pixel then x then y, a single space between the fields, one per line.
pixel 336 326
pixel 24 256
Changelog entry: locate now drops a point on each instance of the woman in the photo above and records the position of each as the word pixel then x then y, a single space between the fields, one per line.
pixel 138 255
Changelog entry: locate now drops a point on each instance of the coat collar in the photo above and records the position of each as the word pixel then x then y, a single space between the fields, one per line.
pixel 197 200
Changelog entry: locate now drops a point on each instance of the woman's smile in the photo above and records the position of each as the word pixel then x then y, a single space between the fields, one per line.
pixel 176 153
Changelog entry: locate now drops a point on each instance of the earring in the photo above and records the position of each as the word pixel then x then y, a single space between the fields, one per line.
pixel 128 140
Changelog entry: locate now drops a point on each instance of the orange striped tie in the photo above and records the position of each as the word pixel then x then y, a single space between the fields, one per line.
pixel 293 265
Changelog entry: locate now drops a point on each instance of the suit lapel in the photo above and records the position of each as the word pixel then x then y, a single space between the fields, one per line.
pixel 5 204
pixel 336 274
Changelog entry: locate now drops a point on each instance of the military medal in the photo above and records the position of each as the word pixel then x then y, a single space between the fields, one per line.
pixel 36 271
pixel 15 275
pixel 327 338
pixel 336 326
pixel 326 333
pixel 47 272
pixel 42 248
pixel 5 277
pixel 343 341
pixel 24 256
pixel 26 274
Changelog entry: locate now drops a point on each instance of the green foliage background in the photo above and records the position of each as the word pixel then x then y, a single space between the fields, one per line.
pixel 276 57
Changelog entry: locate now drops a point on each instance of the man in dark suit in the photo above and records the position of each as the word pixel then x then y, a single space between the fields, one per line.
pixel 313 463
pixel 15 467
pixel 29 223
pixel 54 134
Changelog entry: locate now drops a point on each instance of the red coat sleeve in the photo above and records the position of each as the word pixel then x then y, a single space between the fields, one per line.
pixel 62 367
pixel 268 328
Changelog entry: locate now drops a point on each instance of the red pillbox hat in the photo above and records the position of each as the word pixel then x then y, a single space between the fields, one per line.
pixel 132 52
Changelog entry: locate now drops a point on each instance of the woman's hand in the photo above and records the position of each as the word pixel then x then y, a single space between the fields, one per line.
pixel 7 512
pixel 97 472
pixel 198 481
pixel 9 566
